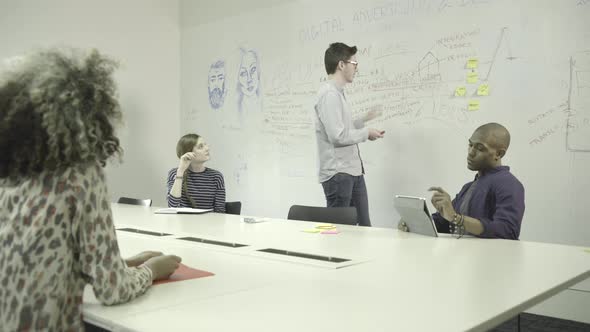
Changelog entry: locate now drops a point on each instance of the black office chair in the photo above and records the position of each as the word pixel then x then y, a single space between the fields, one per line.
pixel 233 207
pixel 135 201
pixel 335 215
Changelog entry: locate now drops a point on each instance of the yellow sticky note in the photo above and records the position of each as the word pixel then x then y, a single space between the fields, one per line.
pixel 473 105
pixel 460 91
pixel 325 226
pixel 483 90
pixel 313 230
pixel 472 77
pixel 472 63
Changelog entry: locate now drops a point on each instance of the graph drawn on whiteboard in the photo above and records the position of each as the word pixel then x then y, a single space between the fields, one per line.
pixel 426 91
pixel 241 169
pixel 503 42
pixel 570 117
pixel 578 104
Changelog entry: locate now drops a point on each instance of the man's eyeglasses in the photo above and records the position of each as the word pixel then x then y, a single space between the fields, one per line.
pixel 354 63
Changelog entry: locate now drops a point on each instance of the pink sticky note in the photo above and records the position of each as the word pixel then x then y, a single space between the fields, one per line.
pixel 184 273
pixel 331 231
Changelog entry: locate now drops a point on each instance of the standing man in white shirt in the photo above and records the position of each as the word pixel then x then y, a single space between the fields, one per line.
pixel 341 167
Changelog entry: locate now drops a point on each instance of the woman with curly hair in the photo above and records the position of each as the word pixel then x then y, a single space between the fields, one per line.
pixel 57 114
pixel 192 184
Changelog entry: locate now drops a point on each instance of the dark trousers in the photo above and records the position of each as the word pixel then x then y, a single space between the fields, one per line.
pixel 344 190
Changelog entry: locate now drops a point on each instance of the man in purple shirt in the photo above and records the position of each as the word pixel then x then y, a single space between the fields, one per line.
pixel 491 206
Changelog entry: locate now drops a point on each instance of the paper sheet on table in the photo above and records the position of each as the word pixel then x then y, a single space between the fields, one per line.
pixel 182 211
pixel 184 273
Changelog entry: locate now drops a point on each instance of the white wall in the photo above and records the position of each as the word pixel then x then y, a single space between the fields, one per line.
pixel 197 12
pixel 144 36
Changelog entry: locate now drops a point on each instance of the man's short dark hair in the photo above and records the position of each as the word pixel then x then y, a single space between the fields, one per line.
pixel 335 53
pixel 496 135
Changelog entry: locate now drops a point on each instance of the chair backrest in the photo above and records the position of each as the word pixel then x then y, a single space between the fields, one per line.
pixel 233 207
pixel 135 201
pixel 336 215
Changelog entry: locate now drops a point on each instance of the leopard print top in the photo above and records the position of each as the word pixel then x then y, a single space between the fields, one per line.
pixel 56 236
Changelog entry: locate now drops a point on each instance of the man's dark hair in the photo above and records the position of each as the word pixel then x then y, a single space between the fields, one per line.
pixel 496 135
pixel 335 53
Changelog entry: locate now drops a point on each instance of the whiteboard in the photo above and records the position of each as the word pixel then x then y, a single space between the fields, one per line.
pixel 532 57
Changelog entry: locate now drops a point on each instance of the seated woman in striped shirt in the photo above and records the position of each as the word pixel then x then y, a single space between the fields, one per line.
pixel 192 184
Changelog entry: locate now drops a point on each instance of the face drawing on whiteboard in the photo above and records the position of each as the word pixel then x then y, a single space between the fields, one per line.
pixel 248 78
pixel 216 83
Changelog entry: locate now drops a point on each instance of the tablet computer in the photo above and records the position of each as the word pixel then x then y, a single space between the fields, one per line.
pixel 414 213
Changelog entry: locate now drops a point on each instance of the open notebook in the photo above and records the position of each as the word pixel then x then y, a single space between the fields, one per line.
pixel 182 211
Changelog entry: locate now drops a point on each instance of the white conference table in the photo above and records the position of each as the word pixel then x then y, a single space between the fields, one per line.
pixel 394 281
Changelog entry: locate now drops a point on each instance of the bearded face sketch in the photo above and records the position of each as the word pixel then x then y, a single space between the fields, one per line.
pixel 217 84
pixel 248 78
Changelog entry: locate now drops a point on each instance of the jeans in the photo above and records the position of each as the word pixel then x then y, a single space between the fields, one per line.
pixel 344 190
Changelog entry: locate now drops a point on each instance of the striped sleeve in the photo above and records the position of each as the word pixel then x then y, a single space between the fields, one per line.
pixel 220 194
pixel 172 201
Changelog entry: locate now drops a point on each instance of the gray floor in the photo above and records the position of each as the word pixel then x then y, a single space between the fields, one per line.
pixel 528 323
pixel 537 323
